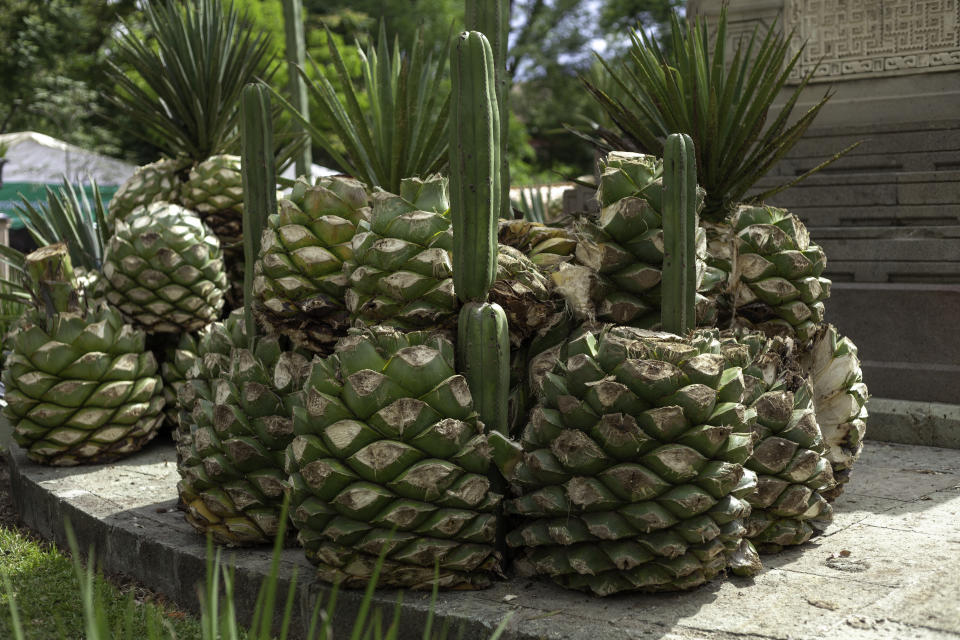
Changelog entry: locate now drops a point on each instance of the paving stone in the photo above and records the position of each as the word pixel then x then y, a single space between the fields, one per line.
pixel 868 554
pixel 851 508
pixel 776 604
pixel 930 601
pixel 900 483
pixel 860 627
pixel 937 513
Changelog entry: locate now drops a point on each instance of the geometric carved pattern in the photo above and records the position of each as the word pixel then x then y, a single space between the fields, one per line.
pixel 858 38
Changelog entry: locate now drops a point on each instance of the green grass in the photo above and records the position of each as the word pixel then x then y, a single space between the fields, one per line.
pixel 47 594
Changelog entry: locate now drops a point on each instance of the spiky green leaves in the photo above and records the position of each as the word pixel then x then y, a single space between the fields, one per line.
pixel 630 471
pixel 164 270
pixel 690 87
pixel 81 388
pixel 300 282
pixel 403 133
pixel 205 55
pixel 390 457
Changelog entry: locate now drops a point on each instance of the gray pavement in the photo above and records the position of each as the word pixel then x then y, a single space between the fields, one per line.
pixel 888 568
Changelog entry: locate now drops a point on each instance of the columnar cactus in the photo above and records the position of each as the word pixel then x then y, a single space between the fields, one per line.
pixel 492 19
pixel 679 288
pixel 483 340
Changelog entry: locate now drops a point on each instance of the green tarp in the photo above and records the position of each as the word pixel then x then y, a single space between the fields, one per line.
pixel 36 194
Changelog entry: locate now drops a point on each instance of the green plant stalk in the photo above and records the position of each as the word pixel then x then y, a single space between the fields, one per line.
pixel 474 167
pixel 296 52
pixel 259 183
pixel 492 19
pixel 679 285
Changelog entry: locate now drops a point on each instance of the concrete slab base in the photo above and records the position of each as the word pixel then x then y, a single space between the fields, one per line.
pixel 932 424
pixel 887 568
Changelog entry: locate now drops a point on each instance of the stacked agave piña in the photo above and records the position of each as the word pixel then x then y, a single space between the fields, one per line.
pixel 300 283
pixel 773 272
pixel 839 397
pixel 766 274
pixel 794 475
pixel 389 457
pixel 233 476
pixel 620 255
pixel 401 273
pixel 214 345
pixel 164 270
pixel 243 389
pixel 630 473
pixel 80 388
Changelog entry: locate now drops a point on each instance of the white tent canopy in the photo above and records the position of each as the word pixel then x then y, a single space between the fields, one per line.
pixel 38 158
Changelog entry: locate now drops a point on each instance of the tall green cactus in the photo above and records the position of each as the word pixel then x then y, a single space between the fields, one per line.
pixel 259 183
pixel 296 58
pixel 474 166
pixel 679 283
pixel 483 343
pixel 492 18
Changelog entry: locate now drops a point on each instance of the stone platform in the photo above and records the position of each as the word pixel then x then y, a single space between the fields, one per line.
pixel 887 569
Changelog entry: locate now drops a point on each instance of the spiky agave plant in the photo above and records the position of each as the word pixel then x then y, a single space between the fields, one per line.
pixel 180 89
pixel 403 133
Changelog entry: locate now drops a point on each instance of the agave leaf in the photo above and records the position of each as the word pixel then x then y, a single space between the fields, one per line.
pixel 187 99
pixel 688 87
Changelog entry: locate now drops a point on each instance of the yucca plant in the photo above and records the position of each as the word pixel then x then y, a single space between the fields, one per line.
pixel 688 85
pixel 402 132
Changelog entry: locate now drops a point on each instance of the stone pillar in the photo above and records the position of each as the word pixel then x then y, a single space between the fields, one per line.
pixel 887 214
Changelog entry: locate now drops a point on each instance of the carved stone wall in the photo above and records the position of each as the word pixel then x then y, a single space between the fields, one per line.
pixel 857 38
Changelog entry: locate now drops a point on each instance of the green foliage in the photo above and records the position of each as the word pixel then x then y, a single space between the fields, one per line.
pixel 355 19
pixel 723 105
pixel 188 101
pixel 70 217
pixel 43 586
pixel 53 68
pixel 402 132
